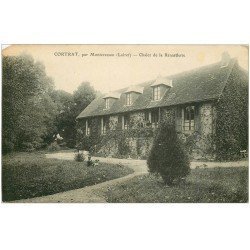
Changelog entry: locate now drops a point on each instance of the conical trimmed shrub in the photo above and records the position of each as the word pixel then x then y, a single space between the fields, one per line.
pixel 167 156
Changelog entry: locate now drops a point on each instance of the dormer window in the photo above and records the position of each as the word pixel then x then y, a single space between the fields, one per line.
pixel 131 94
pixel 160 86
pixel 225 59
pixel 110 98
pixel 156 93
pixel 107 103
pixel 128 99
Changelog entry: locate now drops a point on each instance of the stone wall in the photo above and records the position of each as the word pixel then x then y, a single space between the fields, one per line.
pixel 204 146
pixel 200 142
pixel 168 114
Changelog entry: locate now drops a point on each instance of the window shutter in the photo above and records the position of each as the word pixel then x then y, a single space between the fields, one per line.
pixel 179 118
pixel 197 118
pixel 86 127
pixel 119 125
pixel 107 123
pixel 102 125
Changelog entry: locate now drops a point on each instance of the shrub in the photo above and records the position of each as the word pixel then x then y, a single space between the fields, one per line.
pixel 123 147
pixel 53 147
pixel 63 145
pixel 38 144
pixel 71 143
pixel 167 156
pixel 79 157
pixel 27 146
pixel 91 162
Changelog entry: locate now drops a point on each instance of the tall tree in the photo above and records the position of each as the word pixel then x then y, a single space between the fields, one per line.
pixel 83 96
pixel 70 106
pixel 33 110
pixel 65 120
pixel 28 110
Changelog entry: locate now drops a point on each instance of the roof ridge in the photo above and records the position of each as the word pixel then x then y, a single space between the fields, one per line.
pixel 189 71
pixel 195 85
pixel 233 61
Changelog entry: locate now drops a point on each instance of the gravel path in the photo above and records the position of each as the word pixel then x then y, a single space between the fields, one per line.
pixel 141 165
pixel 92 193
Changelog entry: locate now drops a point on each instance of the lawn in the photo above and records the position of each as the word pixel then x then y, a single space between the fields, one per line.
pixel 27 175
pixel 202 185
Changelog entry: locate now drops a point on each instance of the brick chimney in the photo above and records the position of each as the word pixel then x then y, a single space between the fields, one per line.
pixel 225 59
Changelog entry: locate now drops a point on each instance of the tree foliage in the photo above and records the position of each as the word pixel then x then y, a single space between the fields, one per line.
pixel 70 106
pixel 65 119
pixel 28 110
pixel 33 111
pixel 167 156
pixel 232 117
pixel 83 96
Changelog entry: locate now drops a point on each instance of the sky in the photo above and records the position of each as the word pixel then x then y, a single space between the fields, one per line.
pixel 69 65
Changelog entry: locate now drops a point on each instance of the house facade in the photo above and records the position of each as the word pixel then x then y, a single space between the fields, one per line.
pixel 200 103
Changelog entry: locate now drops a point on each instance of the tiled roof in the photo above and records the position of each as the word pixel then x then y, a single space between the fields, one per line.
pixel 205 83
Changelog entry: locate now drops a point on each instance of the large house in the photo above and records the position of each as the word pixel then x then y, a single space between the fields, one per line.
pixel 208 106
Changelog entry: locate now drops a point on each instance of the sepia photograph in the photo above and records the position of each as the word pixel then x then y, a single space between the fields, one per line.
pixel 125 123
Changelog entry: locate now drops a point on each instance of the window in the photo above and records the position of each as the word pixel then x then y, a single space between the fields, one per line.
pixel 128 99
pixel 155 118
pixel 125 122
pixel 189 118
pixel 87 128
pixel 147 117
pixel 107 103
pixel 156 93
pixel 104 125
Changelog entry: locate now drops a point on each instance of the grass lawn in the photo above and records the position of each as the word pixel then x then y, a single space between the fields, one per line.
pixel 27 175
pixel 202 185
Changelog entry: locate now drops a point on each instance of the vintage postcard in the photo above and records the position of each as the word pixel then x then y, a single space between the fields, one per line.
pixel 125 123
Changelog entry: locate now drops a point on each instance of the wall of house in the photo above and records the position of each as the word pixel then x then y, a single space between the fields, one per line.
pixel 203 137
pixel 140 141
pixel 113 122
pixel 137 119
pixel 199 143
pixel 168 114
pixel 136 142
